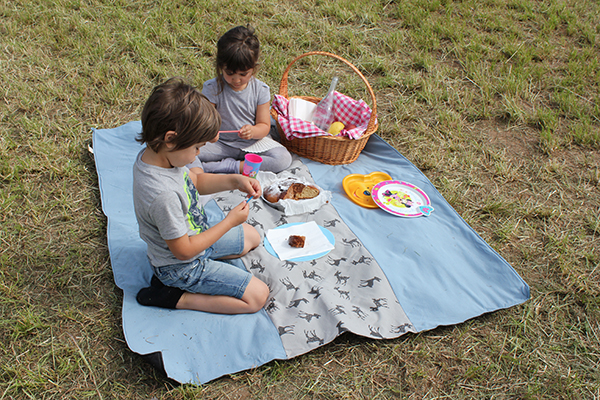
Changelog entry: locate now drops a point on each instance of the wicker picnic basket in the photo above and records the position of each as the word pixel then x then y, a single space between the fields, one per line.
pixel 332 150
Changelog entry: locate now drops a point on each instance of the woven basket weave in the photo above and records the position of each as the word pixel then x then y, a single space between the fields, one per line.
pixel 332 150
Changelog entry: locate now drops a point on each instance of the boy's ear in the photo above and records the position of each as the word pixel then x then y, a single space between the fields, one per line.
pixel 169 136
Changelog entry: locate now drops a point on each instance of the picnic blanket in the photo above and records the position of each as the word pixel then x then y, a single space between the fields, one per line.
pixel 385 277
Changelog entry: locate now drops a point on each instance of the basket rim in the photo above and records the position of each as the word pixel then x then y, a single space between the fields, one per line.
pixel 283 86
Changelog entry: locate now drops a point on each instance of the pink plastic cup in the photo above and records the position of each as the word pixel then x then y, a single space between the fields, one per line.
pixel 251 165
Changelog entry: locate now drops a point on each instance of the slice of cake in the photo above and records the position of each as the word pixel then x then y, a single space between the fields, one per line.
pixel 299 191
pixel 296 241
pixel 289 190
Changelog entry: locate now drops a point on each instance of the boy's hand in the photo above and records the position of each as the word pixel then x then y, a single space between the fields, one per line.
pixel 239 213
pixel 249 185
pixel 246 132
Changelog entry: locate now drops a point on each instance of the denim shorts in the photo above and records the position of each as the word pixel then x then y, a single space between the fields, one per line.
pixel 209 276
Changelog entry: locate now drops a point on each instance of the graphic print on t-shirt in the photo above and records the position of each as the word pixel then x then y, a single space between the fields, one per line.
pixel 195 215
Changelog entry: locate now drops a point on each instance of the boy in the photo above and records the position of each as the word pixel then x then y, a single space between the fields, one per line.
pixel 184 243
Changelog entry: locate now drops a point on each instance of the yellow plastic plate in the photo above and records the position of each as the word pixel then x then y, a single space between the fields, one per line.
pixel 358 187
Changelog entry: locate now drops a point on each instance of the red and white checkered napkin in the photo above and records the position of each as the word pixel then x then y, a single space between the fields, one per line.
pixel 346 110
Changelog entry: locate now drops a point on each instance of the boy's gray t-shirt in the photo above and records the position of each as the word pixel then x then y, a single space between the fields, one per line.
pixel 237 108
pixel 167 206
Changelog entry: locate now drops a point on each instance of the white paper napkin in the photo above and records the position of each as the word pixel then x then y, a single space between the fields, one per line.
pixel 301 109
pixel 316 242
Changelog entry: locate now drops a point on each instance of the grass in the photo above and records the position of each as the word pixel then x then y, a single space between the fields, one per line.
pixel 496 101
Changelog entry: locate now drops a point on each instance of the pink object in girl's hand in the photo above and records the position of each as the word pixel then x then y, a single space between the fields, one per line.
pixel 229 132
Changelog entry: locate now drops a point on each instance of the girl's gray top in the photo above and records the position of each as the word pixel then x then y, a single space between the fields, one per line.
pixel 236 108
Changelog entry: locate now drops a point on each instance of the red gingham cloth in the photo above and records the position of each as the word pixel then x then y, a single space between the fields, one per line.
pixel 345 109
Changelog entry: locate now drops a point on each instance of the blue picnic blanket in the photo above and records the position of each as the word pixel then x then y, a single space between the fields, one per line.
pixel 429 271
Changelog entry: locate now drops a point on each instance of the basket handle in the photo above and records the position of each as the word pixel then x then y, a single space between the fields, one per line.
pixel 283 86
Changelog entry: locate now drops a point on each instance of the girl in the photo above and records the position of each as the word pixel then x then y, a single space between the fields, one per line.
pixel 187 240
pixel 243 103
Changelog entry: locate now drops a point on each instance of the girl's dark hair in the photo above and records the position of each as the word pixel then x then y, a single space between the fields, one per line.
pixel 238 50
pixel 178 107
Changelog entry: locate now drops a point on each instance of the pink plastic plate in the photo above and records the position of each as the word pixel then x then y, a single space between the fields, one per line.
pixel 401 198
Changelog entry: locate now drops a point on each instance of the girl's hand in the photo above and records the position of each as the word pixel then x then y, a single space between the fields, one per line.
pixel 239 213
pixel 246 132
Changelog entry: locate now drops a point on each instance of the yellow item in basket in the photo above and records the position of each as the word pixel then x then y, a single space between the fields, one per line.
pixel 335 128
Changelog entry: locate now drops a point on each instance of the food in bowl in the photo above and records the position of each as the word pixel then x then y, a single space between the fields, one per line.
pixel 289 189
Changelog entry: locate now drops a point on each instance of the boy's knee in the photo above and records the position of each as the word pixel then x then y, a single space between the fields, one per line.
pixel 263 296
pixel 256 294
pixel 251 238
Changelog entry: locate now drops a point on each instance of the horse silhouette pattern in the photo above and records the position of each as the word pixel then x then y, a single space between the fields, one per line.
pixel 312 302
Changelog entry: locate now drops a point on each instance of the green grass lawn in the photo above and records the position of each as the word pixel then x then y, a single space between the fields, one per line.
pixel 496 101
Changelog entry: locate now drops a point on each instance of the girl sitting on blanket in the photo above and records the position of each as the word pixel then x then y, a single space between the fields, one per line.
pixel 243 103
pixel 185 245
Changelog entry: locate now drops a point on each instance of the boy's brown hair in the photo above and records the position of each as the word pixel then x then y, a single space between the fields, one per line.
pixel 179 107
